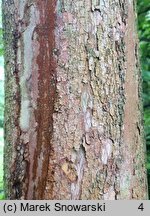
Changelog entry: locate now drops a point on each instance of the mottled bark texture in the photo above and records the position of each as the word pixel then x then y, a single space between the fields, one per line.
pixel 73 125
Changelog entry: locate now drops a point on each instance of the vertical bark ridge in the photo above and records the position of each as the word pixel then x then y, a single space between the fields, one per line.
pixel 12 157
pixel 133 184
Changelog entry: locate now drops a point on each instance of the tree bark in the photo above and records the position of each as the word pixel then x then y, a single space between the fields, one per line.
pixel 73 112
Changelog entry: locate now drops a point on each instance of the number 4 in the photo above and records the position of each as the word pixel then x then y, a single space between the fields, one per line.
pixel 141 207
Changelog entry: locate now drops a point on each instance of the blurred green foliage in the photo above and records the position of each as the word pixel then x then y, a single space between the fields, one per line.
pixel 1 72
pixel 143 9
pixel 1 33
pixel 1 101
pixel 1 107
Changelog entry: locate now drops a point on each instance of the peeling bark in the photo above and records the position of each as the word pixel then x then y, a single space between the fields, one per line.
pixel 73 127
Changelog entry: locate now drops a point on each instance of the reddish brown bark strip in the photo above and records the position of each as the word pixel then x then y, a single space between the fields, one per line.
pixel 46 82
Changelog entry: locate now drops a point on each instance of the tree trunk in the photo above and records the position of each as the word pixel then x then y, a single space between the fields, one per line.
pixel 73 123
